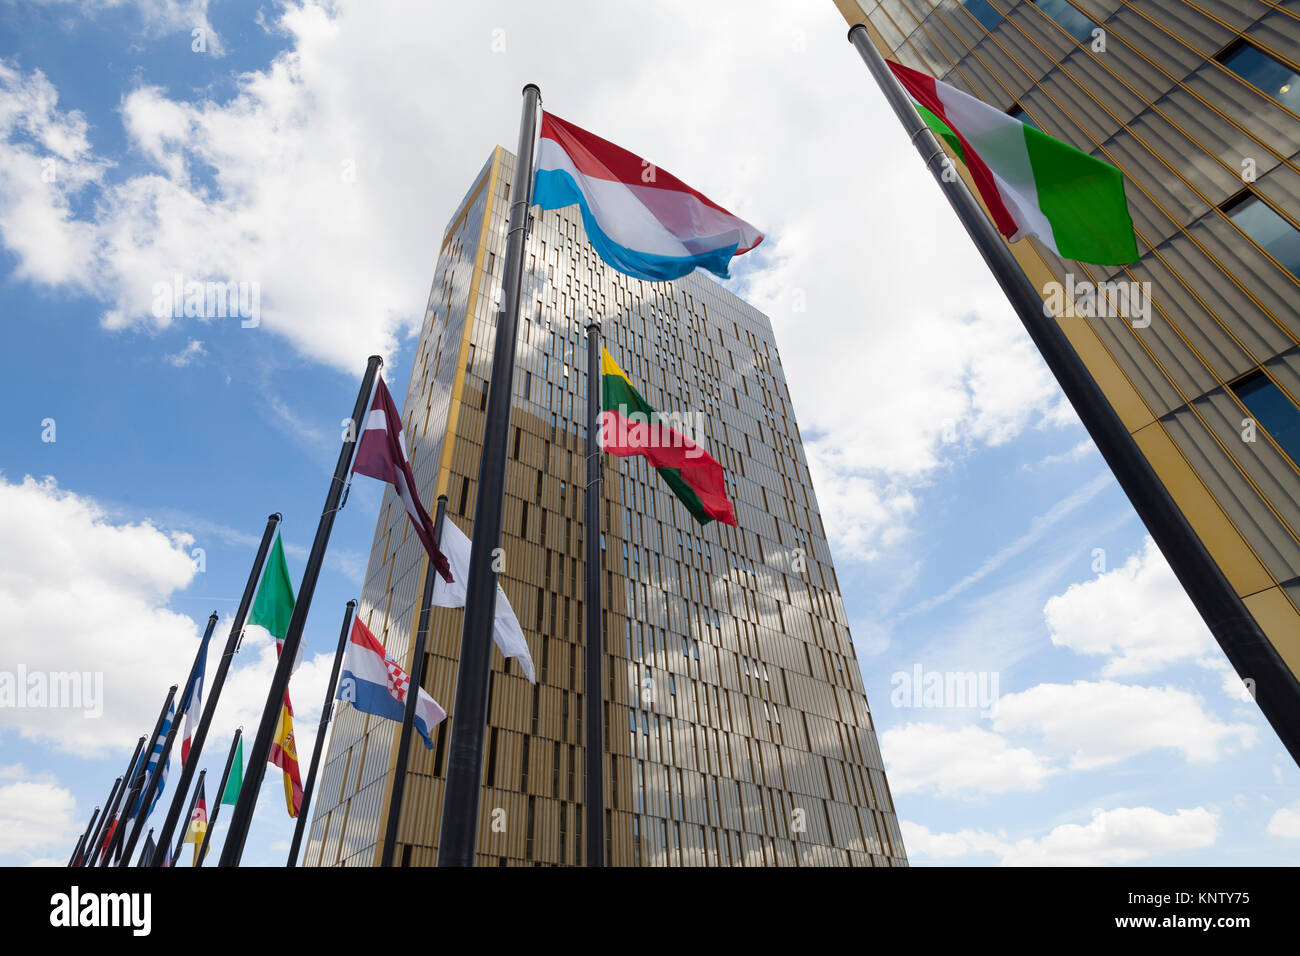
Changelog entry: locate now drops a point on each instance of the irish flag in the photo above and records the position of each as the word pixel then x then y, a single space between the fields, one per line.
pixel 642 220
pixel 1032 184
pixel 629 426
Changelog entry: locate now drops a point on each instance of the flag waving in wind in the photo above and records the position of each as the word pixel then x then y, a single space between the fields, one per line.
pixel 506 631
pixel 381 453
pixel 272 609
pixel 198 823
pixel 642 220
pixel 1032 184
pixel 374 684
pixel 192 702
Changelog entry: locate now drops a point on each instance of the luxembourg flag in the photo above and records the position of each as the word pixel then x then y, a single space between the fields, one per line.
pixel 642 220
pixel 373 684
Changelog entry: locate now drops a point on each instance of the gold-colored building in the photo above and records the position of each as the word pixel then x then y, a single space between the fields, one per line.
pixel 1196 102
pixel 736 726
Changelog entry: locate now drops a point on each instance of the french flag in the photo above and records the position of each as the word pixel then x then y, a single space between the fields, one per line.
pixel 373 684
pixel 642 220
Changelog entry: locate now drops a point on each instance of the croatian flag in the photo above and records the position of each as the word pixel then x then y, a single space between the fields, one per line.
pixel 642 220
pixel 373 684
pixel 381 453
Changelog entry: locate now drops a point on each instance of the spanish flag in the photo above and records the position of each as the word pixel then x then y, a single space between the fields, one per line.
pixel 284 754
pixel 629 426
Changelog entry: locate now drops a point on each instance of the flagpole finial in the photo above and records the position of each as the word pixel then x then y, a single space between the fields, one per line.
pixel 531 86
pixel 856 26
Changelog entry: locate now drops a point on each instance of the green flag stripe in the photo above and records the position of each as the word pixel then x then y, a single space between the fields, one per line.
pixel 687 495
pixel 273 605
pixel 942 130
pixel 235 782
pixel 1083 198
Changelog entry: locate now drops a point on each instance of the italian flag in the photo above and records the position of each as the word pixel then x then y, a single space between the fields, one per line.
pixel 629 426
pixel 1032 184
pixel 272 609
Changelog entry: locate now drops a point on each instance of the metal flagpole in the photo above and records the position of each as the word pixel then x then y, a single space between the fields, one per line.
pixel 156 778
pixel 594 787
pixel 1277 691
pixel 85 835
pixel 416 681
pixel 255 768
pixel 88 851
pixel 114 802
pixel 327 709
pixel 137 780
pixel 221 791
pixel 458 833
pixel 218 681
pixel 189 817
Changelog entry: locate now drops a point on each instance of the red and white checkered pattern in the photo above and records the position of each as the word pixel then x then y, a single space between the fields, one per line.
pixel 397 680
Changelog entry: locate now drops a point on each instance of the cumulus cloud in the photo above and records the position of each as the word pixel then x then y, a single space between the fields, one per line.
pixel 1285 822
pixel 1137 614
pixel 35 814
pixel 1111 837
pixel 958 762
pixel 84 595
pixel 1098 723
pixel 328 176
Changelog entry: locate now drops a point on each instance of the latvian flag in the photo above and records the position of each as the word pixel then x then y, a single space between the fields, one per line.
pixel 374 684
pixel 642 220
pixel 381 453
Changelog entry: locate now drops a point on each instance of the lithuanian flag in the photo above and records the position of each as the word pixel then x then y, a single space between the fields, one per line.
pixel 629 426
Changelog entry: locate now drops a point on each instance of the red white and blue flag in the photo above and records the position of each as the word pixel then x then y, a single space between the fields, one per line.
pixel 642 220
pixel 374 684
pixel 192 703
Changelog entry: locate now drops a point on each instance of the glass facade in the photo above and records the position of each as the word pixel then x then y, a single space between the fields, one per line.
pixel 736 725
pixel 1194 100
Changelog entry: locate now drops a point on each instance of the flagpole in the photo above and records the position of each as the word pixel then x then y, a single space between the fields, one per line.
pixel 1276 690
pixel 242 815
pixel 458 832
pixel 85 835
pixel 145 852
pixel 326 711
pixel 93 836
pixel 221 792
pixel 156 778
pixel 114 802
pixel 594 776
pixel 214 692
pixel 137 778
pixel 416 681
pixel 189 816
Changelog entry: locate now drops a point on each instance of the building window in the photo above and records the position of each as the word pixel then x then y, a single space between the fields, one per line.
pixel 1266 73
pixel 1269 230
pixel 1071 20
pixel 1271 408
pixel 984 12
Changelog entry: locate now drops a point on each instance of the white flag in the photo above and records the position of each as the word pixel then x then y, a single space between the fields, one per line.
pixel 506 632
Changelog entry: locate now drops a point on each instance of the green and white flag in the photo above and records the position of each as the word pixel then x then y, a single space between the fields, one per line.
pixel 1032 184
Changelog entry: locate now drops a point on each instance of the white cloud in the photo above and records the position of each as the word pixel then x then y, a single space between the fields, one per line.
pixel 1137 614
pixel 1285 822
pixel 259 188
pixel 159 17
pixel 1095 724
pixel 36 815
pixel 1123 835
pixel 186 356
pixel 85 595
pixel 958 762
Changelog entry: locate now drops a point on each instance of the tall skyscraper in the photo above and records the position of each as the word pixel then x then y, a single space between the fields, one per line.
pixel 736 725
pixel 1196 102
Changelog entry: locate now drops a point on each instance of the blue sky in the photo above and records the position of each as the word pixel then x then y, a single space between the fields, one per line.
pixel 318 152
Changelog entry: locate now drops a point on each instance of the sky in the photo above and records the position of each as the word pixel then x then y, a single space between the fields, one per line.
pixel 313 152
